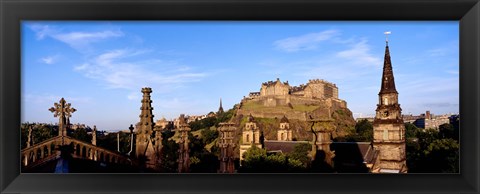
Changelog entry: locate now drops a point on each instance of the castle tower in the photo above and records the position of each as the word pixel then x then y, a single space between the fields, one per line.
pixel 388 127
pixel 220 109
pixel 183 150
pixel 144 146
pixel 227 147
pixel 284 133
pixel 250 136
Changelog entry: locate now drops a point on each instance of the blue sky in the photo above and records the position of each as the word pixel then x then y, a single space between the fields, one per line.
pixel 100 67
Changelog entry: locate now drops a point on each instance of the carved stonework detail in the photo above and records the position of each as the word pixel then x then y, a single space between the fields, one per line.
pixel 227 147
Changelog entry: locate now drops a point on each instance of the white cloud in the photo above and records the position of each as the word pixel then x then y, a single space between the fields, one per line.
pixel 49 59
pixel 42 30
pixel 346 64
pixel 81 40
pixel 359 53
pixel 78 40
pixel 133 96
pixel 304 42
pixel 52 98
pixel 114 70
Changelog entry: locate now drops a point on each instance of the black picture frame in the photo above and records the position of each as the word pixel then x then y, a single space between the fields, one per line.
pixel 12 12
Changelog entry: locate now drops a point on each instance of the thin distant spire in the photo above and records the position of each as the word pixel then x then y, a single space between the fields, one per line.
pixel 220 109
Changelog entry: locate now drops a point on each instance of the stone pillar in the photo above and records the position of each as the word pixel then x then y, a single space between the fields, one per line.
pixel 227 146
pixel 43 152
pixel 183 151
pixel 322 130
pixel 94 135
pixel 26 159
pixel 158 147
pixel 34 155
pixel 29 141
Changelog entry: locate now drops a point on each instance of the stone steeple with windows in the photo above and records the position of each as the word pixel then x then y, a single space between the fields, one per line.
pixel 284 133
pixel 250 136
pixel 388 127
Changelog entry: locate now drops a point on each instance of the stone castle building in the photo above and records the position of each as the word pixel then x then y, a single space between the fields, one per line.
pixel 388 126
pixel 315 88
pixel 316 92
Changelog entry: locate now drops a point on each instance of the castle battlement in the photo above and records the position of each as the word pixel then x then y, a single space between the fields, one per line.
pixel 321 81
pixel 271 83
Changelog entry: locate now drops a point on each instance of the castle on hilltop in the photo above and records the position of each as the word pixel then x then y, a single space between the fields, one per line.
pixel 292 101
pixel 316 88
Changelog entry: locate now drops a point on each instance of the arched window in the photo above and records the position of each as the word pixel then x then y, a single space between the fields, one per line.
pixel 248 138
pixel 283 136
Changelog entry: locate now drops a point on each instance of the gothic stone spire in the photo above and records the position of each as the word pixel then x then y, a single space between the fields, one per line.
pixel 388 82
pixel 145 126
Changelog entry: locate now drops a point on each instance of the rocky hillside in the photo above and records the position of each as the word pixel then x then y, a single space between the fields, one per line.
pixel 268 117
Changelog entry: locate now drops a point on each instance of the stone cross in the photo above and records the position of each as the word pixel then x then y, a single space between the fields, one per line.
pixel 63 110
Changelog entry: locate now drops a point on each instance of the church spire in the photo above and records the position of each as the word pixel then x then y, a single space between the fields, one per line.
pixel 220 109
pixel 388 82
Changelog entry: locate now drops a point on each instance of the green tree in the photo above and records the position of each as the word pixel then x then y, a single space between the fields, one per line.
pixel 257 160
pixel 443 155
pixel 430 153
pixel 363 132
pixel 410 130
pixel 81 134
pixel 300 154
pixel 209 135
pixel 448 131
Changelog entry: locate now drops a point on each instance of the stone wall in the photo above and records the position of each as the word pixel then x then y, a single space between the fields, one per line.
pixel 275 114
